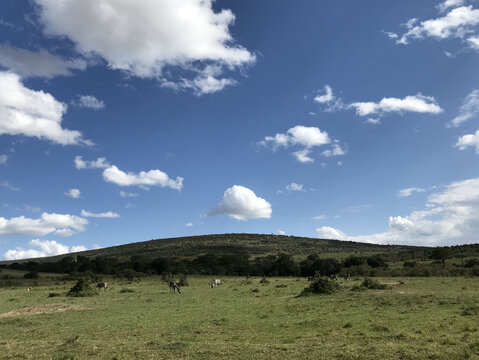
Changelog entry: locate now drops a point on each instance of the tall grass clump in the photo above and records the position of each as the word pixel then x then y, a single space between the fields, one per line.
pixel 83 287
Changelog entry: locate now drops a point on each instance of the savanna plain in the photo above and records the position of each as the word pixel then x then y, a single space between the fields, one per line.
pixel 244 318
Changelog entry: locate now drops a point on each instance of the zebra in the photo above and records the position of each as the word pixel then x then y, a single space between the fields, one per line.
pixel 101 285
pixel 174 286
pixel 333 277
pixel 347 276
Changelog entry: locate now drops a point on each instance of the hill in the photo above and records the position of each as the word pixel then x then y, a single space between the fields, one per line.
pixel 249 244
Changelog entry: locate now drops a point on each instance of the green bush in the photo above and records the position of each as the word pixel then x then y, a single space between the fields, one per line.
pixel 369 284
pixel 264 280
pixel 83 287
pixel 320 286
pixel 183 280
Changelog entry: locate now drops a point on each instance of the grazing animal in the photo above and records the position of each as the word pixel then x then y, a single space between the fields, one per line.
pixel 347 276
pixel 101 286
pixel 174 286
pixel 333 277
pixel 310 278
pixel 29 289
pixel 216 282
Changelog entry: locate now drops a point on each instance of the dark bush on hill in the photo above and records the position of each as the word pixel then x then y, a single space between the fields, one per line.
pixel 31 275
pixel 471 263
pixel 376 261
pixel 353 261
pixel 320 286
pixel 409 264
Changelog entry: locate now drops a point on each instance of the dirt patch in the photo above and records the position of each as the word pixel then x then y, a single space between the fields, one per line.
pixel 43 309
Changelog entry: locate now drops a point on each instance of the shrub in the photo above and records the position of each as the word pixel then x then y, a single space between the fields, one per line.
pixel 321 286
pixel 471 262
pixel 369 284
pixel 31 275
pixel 410 264
pixel 376 261
pixel 183 280
pixel 53 294
pixel 264 280
pixel 83 287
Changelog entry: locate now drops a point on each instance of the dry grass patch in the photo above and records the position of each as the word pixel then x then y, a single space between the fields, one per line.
pixel 43 309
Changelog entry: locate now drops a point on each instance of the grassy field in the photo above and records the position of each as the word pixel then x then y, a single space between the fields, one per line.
pixel 415 318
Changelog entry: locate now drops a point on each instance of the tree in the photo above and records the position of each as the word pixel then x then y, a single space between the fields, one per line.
pixel 442 253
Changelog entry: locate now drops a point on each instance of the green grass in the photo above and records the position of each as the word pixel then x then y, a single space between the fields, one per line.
pixel 416 318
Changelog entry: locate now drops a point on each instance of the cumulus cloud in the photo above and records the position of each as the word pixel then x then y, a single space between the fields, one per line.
pixel 415 103
pixel 442 7
pixel 327 232
pixel 73 193
pixel 146 37
pixel 33 113
pixel 40 63
pixel 303 156
pixel 451 217
pixel 469 140
pixel 468 109
pixel 409 191
pixel 307 137
pixel 89 102
pixel 44 248
pixel 108 214
pixel 9 186
pixel 113 174
pixel 336 150
pixel 3 159
pixel 459 22
pixel 99 163
pixel 281 232
pixel 241 203
pixel 60 224
pixel 190 224
pixel 144 178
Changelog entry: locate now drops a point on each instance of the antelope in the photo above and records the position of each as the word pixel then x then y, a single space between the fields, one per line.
pixel 347 276
pixel 101 286
pixel 174 286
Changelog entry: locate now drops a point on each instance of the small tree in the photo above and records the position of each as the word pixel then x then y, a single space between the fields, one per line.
pixel 441 254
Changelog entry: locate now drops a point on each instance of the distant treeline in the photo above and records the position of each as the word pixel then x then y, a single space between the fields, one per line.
pixel 271 265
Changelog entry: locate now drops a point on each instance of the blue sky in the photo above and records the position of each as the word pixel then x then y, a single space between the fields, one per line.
pixel 128 121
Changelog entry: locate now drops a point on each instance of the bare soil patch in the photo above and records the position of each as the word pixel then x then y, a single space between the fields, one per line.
pixel 43 309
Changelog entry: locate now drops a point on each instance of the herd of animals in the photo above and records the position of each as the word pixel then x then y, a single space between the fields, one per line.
pixel 175 287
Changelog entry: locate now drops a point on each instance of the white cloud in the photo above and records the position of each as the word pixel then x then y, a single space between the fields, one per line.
pixel 99 163
pixel 442 7
pixel 90 102
pixel 319 217
pixel 33 113
pixel 409 191
pixel 60 224
pixel 303 156
pixel 451 218
pixel 144 178
pixel 124 194
pixel 73 193
pixel 327 232
pixel 469 140
pixel 108 214
pixel 242 203
pixel 469 109
pixel 373 121
pixel 458 22
pixel 307 137
pixel 40 63
pixel 332 102
pixel 9 186
pixel 46 248
pixel 190 224
pixel 336 150
pixel 416 103
pixel 3 159
pixel 281 232
pixel 295 187
pixel 145 37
